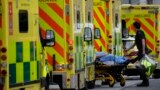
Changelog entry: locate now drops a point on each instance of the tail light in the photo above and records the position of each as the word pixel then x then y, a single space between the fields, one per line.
pixel 68 79
pixel 70 42
pixel 110 36
pixel 110 50
pixel 71 60
pixel 4 72
pixel 70 47
pixel 110 41
pixel 3 57
pixel 3 50
pixel 3 63
pixel 70 55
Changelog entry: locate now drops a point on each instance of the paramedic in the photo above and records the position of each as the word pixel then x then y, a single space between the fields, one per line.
pixel 140 43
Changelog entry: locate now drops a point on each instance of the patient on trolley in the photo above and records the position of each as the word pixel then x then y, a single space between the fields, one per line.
pixel 110 59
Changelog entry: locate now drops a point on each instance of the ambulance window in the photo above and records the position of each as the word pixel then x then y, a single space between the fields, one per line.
pixel 23 21
pixel 87 34
pixel 125 33
pixel 116 20
pixel 78 17
pixel 89 16
pixel 78 20
pixel 67 10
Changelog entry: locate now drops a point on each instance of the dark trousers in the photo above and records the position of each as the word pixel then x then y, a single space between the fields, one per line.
pixel 139 68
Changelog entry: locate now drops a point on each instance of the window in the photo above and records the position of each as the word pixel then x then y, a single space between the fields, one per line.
pixel 87 34
pixel 97 34
pixel 125 32
pixel 23 21
pixel 89 16
pixel 67 10
pixel 78 17
pixel 116 20
pixel 78 20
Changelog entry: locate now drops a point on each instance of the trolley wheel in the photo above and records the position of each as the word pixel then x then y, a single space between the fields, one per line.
pixel 122 81
pixel 111 81
pixel 111 84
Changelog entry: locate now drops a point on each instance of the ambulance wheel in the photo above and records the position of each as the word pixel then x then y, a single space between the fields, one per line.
pixel 122 81
pixel 91 84
pixel 156 73
pixel 85 87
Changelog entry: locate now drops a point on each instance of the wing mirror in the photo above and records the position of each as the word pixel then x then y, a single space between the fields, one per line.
pixel 87 34
pixel 50 38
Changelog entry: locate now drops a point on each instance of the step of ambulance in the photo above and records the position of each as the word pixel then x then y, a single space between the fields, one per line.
pixel 54 86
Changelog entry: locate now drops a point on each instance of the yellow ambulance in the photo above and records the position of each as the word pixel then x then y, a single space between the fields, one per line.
pixel 107 16
pixel 148 17
pixel 67 58
pixel 20 47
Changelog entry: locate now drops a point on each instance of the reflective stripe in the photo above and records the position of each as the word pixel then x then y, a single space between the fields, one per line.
pixel 23 67
pixel 101 21
pixel 52 17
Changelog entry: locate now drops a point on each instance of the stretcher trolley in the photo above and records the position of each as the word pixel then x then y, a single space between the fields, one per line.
pixel 109 73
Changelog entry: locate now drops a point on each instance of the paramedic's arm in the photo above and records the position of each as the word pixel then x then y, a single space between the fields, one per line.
pixel 131 47
pixel 143 46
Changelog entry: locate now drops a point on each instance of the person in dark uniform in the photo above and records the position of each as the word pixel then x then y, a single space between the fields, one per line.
pixel 140 43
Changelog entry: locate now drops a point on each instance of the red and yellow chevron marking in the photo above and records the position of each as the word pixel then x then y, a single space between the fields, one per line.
pixel 52 17
pixel 149 28
pixel 101 21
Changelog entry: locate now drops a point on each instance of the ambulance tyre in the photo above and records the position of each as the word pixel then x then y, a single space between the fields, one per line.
pixel 86 86
pixel 47 82
pixel 44 82
pixel 156 74
pixel 91 84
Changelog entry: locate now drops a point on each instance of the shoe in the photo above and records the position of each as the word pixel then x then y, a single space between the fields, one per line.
pixel 143 84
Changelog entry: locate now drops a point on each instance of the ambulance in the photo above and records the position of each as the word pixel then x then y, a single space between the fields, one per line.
pixel 117 45
pixel 70 60
pixel 90 34
pixel 107 20
pixel 20 48
pixel 101 16
pixel 148 17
